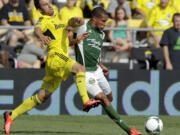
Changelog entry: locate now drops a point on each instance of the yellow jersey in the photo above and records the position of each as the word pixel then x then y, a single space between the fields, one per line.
pixel 65 13
pixel 160 18
pixel 35 14
pixel 145 5
pixel 56 30
pixel 176 4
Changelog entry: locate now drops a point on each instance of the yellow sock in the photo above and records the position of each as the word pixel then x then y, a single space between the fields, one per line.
pixel 81 86
pixel 27 105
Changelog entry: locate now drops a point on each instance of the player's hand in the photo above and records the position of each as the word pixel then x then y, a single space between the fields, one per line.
pixel 105 71
pixel 82 37
pixel 76 22
pixel 45 40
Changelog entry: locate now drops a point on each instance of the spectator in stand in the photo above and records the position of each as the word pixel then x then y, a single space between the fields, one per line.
pixel 33 55
pixel 176 4
pixel 115 3
pixel 59 3
pixel 69 11
pixel 159 18
pixel 15 13
pixel 121 39
pixel 35 14
pixel 170 44
pixel 91 4
pixel 3 2
pixel 143 7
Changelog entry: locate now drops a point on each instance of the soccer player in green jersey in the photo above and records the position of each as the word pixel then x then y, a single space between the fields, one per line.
pixel 88 53
pixel 59 66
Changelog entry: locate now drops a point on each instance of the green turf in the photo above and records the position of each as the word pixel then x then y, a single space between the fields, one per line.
pixel 83 125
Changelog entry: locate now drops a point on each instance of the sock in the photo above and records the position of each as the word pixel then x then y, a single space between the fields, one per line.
pixel 81 86
pixel 27 105
pixel 116 118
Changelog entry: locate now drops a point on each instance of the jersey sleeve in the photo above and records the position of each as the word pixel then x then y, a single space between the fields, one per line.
pixel 42 23
pixel 82 29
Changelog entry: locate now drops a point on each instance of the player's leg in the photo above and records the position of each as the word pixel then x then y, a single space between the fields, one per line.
pixel 27 105
pixel 79 70
pixel 106 98
pixel 93 87
pixel 31 102
pixel 49 85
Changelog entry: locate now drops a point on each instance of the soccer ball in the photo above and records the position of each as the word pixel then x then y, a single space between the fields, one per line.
pixel 153 125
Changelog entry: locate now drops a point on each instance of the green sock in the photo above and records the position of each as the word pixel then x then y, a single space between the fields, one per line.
pixel 116 118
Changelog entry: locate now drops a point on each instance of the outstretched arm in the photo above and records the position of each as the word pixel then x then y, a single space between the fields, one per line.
pixel 75 22
pixel 72 25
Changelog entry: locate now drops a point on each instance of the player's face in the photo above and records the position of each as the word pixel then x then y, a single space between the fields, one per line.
pixel 177 22
pixel 46 7
pixel 101 22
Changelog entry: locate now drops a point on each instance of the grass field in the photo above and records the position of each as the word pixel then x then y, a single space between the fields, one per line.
pixel 83 125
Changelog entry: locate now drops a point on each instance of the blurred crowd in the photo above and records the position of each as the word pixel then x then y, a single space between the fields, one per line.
pixel 19 48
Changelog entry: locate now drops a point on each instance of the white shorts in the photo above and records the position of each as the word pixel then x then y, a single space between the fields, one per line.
pixel 96 83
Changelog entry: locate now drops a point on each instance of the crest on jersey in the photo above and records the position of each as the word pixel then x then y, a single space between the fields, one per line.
pixel 168 15
pixel 92 81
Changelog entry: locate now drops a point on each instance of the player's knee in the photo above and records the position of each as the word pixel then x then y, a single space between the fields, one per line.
pixel 101 96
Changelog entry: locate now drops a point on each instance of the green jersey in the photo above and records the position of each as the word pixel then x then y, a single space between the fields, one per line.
pixel 88 51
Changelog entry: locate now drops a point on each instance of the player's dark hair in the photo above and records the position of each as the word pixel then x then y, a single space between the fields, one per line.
pixel 175 15
pixel 37 5
pixel 98 12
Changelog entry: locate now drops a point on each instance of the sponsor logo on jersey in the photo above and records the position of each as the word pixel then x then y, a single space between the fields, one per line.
pixel 57 26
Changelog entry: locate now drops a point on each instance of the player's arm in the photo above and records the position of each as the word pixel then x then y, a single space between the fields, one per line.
pixel 76 22
pixel 44 39
pixel 104 68
pixel 78 39
pixel 73 24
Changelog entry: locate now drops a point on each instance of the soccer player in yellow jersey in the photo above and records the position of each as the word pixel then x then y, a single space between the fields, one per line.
pixel 160 18
pixel 52 32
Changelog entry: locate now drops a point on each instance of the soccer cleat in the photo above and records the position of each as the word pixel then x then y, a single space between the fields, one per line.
pixel 91 104
pixel 8 122
pixel 134 132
